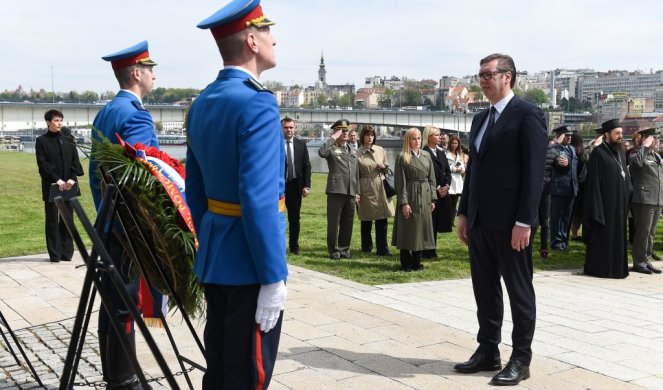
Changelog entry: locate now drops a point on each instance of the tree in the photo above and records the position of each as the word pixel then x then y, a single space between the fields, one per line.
pixel 475 88
pixel 410 97
pixel 387 98
pixel 575 105
pixel 536 96
pixel 274 85
pixel 345 101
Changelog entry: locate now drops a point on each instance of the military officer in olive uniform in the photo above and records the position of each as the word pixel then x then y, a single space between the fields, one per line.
pixel 342 188
pixel 647 176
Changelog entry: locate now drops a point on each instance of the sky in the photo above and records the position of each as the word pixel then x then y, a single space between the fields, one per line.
pixel 63 41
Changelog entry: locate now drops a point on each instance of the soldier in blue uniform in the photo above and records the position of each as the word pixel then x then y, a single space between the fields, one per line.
pixel 235 181
pixel 563 188
pixel 126 116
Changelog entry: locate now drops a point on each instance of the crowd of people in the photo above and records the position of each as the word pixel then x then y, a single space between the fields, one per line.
pixel 611 191
pixel 421 208
pixel 495 192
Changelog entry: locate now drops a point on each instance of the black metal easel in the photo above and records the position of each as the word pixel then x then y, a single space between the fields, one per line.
pixel 5 324
pixel 99 262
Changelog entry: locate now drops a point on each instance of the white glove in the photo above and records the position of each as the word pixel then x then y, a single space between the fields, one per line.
pixel 271 300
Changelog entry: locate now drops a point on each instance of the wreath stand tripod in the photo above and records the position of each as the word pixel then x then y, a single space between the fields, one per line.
pixel 5 324
pixel 98 263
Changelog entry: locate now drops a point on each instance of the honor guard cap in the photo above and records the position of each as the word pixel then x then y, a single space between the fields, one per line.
pixel 235 17
pixel 341 124
pixel 563 130
pixel 136 54
pixel 609 125
pixel 648 132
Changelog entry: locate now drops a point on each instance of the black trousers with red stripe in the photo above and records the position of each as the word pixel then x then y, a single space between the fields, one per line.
pixel 115 363
pixel 238 354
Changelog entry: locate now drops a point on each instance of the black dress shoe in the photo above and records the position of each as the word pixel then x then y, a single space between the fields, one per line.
pixel 479 362
pixel 346 255
pixel 294 251
pixel 65 259
pixel 55 260
pixel 652 269
pixel 511 375
pixel 335 256
pixel 656 257
pixel 640 269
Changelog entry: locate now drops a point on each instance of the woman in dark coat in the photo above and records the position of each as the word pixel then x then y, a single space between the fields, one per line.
pixel 442 222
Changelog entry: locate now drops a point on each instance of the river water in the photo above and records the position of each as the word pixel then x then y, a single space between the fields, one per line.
pixel 318 164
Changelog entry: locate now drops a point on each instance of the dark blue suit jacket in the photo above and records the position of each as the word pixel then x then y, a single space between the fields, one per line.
pixel 503 181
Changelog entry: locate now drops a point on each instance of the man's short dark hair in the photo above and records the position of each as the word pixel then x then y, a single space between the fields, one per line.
pixel 50 114
pixel 287 119
pixel 504 63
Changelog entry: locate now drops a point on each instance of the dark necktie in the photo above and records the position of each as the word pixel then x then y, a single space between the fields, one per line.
pixel 291 170
pixel 489 125
pixel 491 119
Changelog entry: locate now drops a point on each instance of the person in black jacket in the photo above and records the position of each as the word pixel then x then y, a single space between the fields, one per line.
pixel 297 179
pixel 58 162
pixel 544 203
pixel 442 222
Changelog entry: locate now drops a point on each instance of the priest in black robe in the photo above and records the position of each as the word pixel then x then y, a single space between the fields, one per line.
pixel 608 191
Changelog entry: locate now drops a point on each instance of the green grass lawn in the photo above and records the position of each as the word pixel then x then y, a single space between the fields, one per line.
pixel 22 233
pixel 22 207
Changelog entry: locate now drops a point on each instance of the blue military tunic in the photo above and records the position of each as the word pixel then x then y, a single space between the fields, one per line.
pixel 125 116
pixel 236 156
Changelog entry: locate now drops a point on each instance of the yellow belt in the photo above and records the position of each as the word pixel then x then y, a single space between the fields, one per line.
pixel 233 209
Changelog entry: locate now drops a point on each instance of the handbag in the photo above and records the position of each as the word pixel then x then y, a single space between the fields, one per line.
pixel 388 184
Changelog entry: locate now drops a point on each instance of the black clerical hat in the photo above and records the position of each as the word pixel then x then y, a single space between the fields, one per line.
pixel 611 124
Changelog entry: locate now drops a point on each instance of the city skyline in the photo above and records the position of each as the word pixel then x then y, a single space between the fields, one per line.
pixel 423 39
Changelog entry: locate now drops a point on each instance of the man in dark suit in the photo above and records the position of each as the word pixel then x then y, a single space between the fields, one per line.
pixel 498 208
pixel 297 179
pixel 57 159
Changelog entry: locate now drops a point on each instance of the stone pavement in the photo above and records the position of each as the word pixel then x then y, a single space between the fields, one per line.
pixel 591 333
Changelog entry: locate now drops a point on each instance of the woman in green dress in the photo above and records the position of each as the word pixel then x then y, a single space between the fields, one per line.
pixel 414 180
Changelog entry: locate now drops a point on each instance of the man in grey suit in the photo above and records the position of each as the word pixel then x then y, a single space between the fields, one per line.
pixel 647 176
pixel 342 185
